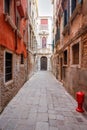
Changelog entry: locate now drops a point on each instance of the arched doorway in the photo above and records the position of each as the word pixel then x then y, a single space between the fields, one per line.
pixel 43 62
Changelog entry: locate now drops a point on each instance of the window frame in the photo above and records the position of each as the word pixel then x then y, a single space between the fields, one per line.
pixel 11 80
pixel 64 58
pixel 77 2
pixel 80 54
pixel 18 20
pixel 22 59
pixel 44 42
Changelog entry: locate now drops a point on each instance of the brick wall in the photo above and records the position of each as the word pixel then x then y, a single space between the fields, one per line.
pixel 9 90
pixel 74 76
pixel 7 37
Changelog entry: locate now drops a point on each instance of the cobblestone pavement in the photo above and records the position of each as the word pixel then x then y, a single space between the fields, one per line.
pixel 42 104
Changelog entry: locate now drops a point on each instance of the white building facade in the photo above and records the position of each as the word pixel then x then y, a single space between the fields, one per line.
pixel 44 44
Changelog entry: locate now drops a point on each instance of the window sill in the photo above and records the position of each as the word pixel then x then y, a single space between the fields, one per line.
pixel 22 65
pixel 8 82
pixel 65 65
pixel 75 66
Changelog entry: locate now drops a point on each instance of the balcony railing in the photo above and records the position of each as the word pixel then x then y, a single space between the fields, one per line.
pixel 10 21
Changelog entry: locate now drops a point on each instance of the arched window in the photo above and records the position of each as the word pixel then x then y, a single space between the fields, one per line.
pixel 43 42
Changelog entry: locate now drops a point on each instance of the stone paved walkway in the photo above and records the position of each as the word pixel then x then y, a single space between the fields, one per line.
pixel 42 104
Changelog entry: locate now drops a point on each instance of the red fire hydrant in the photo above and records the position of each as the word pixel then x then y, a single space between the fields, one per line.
pixel 80 100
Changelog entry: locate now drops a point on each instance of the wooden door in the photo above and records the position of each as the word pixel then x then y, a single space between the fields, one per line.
pixel 43 63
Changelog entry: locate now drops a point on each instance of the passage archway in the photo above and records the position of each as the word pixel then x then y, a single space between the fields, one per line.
pixel 43 62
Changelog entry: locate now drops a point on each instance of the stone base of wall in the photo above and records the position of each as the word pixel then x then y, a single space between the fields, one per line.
pixel 10 89
pixel 75 79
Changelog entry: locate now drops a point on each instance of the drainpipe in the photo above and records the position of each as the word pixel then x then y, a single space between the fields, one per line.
pixel 16 24
pixel 27 50
pixel 27 43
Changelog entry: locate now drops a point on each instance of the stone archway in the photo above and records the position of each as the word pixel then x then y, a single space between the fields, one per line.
pixel 43 63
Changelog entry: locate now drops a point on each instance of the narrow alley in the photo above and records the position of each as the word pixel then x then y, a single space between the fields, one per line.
pixel 42 104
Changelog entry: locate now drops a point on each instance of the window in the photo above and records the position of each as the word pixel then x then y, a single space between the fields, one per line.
pixel 7 6
pixel 73 3
pixel 75 54
pixel 30 8
pixel 18 20
pixel 57 59
pixel 57 36
pixel 65 17
pixel 43 42
pixel 65 57
pixel 22 59
pixel 18 23
pixel 8 66
pixel 44 24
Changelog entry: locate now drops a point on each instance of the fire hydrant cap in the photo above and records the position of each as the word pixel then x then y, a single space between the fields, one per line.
pixel 80 93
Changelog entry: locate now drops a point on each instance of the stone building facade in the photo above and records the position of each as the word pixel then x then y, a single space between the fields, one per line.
pixel 13 53
pixel 69 61
pixel 32 34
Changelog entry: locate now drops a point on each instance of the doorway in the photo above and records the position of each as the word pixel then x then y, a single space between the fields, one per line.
pixel 43 62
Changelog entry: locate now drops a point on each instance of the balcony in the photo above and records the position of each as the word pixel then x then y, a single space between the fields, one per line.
pixel 19 34
pixel 10 21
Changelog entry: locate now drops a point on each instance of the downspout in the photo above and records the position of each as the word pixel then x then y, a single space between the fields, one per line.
pixel 27 44
pixel 16 24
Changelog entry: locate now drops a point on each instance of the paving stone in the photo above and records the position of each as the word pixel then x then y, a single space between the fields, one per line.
pixel 42 126
pixel 3 122
pixel 53 128
pixel 42 104
pixel 59 117
pixel 52 116
pixel 25 127
pixel 42 109
pixel 83 127
pixel 53 123
pixel 51 111
pixel 60 122
pixel 11 125
pixel 42 117
pixel 68 127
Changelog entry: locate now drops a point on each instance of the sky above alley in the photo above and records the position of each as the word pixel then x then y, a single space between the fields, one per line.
pixel 45 8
